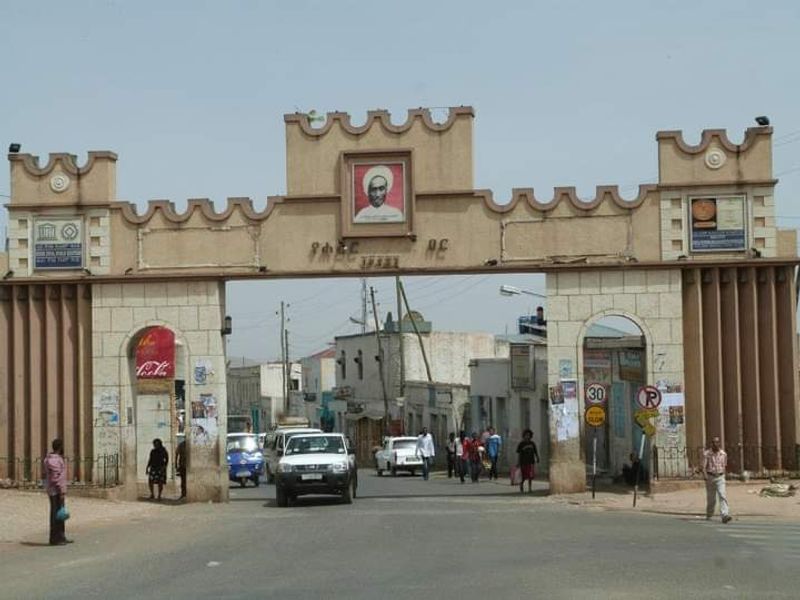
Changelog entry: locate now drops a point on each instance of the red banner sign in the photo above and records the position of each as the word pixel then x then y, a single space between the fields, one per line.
pixel 155 354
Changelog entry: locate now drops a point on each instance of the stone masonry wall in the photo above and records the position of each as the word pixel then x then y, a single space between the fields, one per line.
pixel 650 298
pixel 194 311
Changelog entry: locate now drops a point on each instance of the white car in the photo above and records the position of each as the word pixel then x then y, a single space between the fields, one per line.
pixel 316 463
pixel 398 454
pixel 276 444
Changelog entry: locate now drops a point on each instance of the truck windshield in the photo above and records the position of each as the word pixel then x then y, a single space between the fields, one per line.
pixel 404 444
pixel 311 445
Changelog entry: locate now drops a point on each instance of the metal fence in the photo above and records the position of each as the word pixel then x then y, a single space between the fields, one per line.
pixel 100 471
pixel 746 461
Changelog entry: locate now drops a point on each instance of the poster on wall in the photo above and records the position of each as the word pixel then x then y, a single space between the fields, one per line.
pixel 556 394
pixel 155 354
pixel 58 243
pixel 630 365
pixel 717 224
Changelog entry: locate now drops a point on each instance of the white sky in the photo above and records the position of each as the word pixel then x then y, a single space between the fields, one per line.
pixel 191 96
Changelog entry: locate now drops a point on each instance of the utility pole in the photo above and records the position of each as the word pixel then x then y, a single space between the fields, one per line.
pixel 380 363
pixel 283 353
pixel 363 305
pixel 416 330
pixel 288 377
pixel 402 353
pixel 400 337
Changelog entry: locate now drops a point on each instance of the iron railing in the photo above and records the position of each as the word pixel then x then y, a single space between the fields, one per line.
pixel 100 471
pixel 745 461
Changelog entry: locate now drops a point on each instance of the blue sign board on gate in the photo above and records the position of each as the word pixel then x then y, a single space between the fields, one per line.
pixel 58 256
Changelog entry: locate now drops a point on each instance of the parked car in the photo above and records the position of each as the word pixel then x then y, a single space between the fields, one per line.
pixel 276 443
pixel 398 454
pixel 245 458
pixel 316 463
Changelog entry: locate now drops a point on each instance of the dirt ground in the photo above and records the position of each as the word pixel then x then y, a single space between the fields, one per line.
pixel 24 515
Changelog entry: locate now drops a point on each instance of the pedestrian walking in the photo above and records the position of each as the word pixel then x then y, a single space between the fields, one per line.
pixel 157 468
pixel 426 451
pixel 463 466
pixel 55 470
pixel 180 466
pixel 527 455
pixel 715 463
pixel 460 455
pixel 493 444
pixel 452 451
pixel 474 450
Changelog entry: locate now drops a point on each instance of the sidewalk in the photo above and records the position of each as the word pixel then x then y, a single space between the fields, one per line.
pixel 743 498
pixel 24 515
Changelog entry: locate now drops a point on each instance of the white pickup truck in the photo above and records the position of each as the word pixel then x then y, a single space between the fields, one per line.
pixel 398 454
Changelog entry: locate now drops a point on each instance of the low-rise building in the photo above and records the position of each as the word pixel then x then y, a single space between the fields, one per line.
pixel 510 394
pixel 399 379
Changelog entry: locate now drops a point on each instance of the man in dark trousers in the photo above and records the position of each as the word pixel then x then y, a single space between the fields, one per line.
pixel 180 466
pixel 55 471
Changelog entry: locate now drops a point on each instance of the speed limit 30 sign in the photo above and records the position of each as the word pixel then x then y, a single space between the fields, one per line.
pixel 595 393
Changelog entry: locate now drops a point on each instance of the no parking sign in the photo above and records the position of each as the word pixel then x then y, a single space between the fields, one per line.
pixel 648 397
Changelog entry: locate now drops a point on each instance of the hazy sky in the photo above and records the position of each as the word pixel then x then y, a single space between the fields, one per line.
pixel 191 95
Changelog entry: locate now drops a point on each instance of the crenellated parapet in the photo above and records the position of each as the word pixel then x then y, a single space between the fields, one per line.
pixel 58 214
pixel 717 197
pixel 713 201
pixel 715 159
pixel 62 181
pixel 442 151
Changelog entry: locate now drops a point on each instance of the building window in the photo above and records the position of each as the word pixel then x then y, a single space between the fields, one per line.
pixel 360 361
pixel 343 364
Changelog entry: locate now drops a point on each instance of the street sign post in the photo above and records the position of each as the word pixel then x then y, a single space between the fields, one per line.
pixel 595 393
pixel 648 397
pixel 595 416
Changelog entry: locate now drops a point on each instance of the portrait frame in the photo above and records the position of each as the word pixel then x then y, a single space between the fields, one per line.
pixel 353 165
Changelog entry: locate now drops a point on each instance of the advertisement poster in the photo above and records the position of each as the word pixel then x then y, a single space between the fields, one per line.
pixel 717 224
pixel 155 354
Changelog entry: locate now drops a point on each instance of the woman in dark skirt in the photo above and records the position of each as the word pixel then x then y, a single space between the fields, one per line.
pixel 157 467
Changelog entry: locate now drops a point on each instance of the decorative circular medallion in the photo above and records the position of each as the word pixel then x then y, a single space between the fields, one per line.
pixel 715 158
pixel 59 183
pixel 69 231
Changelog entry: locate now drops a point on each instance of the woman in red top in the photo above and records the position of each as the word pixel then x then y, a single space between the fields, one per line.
pixel 473 452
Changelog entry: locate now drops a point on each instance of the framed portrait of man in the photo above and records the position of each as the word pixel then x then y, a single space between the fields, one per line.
pixel 377 194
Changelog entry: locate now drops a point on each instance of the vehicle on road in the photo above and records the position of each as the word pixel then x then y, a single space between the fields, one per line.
pixel 276 444
pixel 245 458
pixel 398 454
pixel 316 463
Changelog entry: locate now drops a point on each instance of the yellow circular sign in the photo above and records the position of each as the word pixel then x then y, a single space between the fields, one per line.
pixel 595 416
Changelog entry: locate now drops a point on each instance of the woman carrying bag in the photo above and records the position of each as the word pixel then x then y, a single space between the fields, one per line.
pixel 55 470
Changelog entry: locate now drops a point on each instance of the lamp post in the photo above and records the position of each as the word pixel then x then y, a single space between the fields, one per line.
pixel 510 290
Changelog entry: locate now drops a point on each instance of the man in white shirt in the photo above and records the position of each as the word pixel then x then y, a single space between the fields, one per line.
pixel 426 450
pixel 378 182
pixel 715 463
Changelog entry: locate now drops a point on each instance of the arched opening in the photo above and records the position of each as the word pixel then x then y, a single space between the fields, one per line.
pixel 158 394
pixel 614 369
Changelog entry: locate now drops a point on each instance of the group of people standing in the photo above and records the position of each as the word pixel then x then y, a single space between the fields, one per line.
pixel 478 453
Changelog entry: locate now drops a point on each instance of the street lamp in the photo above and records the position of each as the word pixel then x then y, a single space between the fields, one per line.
pixel 510 290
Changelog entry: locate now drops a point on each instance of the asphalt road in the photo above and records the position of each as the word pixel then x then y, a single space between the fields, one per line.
pixel 405 538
